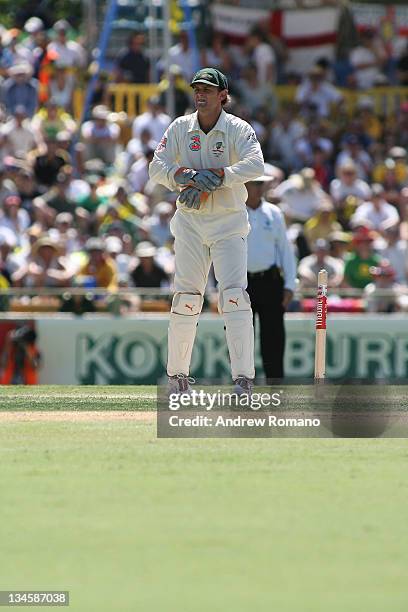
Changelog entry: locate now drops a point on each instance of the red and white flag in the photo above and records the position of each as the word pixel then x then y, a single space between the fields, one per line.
pixel 308 33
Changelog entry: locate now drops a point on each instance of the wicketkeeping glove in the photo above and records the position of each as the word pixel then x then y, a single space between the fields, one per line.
pixel 206 180
pixel 184 176
pixel 191 197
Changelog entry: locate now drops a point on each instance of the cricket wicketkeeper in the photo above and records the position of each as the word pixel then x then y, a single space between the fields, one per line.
pixel 208 156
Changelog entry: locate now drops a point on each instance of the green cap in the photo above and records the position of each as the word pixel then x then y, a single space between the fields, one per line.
pixel 210 76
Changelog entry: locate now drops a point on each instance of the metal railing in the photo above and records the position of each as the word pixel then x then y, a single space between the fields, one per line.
pixel 132 99
pixel 51 299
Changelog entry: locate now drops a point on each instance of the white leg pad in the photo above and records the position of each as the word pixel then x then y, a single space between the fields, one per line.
pixel 185 311
pixel 235 306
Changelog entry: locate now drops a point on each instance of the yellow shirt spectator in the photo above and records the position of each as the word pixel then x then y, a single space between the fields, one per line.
pixel 100 267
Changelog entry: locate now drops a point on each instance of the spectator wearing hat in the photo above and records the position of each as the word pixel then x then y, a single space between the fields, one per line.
pixel 154 120
pixel 100 267
pixel 317 90
pixel 115 248
pixel 71 53
pixel 354 152
pixel 20 89
pixel 383 278
pixel 20 137
pixel 132 64
pixel 45 267
pixel 271 273
pixel 50 120
pixel 300 195
pixel 348 185
pixel 322 223
pixel 159 223
pixel 376 213
pixel 15 218
pixel 100 136
pixel 310 266
pixel 148 273
pixel 339 243
pixel 360 259
pixel 65 233
pixel 34 27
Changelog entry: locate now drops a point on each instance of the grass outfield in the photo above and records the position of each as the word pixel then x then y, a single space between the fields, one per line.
pixel 126 522
pixel 65 397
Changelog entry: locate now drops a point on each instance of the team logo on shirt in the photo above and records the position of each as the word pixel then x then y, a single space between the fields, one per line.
pixel 218 149
pixel 195 143
pixel 162 145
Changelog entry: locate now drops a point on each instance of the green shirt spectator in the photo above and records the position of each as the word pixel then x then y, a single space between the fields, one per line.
pixel 92 201
pixel 358 263
pixel 357 270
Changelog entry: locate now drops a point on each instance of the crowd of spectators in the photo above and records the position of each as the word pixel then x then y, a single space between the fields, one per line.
pixel 77 208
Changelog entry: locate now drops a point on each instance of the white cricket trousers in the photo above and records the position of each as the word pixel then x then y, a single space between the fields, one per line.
pixel 195 250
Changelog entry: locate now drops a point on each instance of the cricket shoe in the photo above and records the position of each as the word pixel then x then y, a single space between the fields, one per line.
pixel 179 384
pixel 243 386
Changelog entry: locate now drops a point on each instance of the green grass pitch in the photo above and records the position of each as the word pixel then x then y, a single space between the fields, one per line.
pixel 97 505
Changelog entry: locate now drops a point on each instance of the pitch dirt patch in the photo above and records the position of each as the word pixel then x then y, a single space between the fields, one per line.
pixel 76 416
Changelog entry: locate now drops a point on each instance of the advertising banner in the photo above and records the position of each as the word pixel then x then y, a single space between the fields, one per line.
pixel 109 350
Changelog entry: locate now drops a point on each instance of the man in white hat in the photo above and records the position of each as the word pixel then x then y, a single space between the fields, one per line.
pixel 100 135
pixel 209 156
pixel 271 273
pixel 20 89
pixel 148 273
pixel 159 223
pixel 34 27
pixel 71 53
